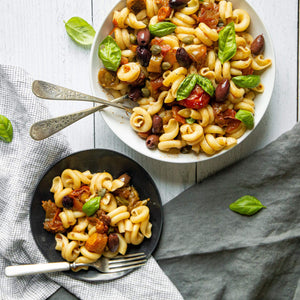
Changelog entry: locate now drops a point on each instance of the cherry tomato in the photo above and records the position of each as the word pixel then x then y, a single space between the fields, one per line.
pixel 197 99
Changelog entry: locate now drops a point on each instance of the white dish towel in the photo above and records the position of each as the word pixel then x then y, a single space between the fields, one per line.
pixel 21 164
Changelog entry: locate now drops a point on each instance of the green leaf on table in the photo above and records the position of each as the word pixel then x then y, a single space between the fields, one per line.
pixel 6 129
pixel 246 205
pixel 110 53
pixel 80 31
pixel 227 43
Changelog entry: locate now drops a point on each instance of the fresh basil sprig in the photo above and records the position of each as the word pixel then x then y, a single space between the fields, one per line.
pixel 206 84
pixel 162 28
pixel 186 87
pixel 246 117
pixel 247 81
pixel 246 205
pixel 6 129
pixel 110 53
pixel 188 84
pixel 227 43
pixel 91 206
pixel 80 31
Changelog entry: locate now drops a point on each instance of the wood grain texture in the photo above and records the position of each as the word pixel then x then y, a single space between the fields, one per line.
pixel 36 39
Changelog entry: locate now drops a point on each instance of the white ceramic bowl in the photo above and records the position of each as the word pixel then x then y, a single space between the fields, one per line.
pixel 118 121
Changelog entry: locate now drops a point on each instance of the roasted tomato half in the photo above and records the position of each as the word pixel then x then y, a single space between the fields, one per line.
pixel 197 99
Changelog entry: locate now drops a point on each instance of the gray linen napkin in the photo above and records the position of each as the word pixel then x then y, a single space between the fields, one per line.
pixel 210 252
pixel 22 162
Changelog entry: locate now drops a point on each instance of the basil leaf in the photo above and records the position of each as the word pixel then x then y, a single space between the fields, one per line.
pixel 246 205
pixel 246 117
pixel 206 85
pixel 186 87
pixel 80 31
pixel 6 129
pixel 91 206
pixel 247 81
pixel 162 28
pixel 227 43
pixel 110 53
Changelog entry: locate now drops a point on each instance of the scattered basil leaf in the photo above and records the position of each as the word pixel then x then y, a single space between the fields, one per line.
pixel 246 117
pixel 206 85
pixel 186 87
pixel 80 31
pixel 110 53
pixel 246 205
pixel 91 206
pixel 247 81
pixel 162 28
pixel 6 129
pixel 190 120
pixel 227 43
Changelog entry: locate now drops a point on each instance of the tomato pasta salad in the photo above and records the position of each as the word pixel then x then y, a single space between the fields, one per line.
pixel 94 215
pixel 192 67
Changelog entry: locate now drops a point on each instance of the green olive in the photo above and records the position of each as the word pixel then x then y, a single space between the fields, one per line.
pixel 165 66
pixel 146 92
pixel 189 39
pixel 155 49
pixel 132 38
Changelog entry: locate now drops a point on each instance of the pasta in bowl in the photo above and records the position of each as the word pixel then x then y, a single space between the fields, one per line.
pixel 95 203
pixel 202 73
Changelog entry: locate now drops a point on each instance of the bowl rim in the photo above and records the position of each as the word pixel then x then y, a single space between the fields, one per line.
pixel 180 158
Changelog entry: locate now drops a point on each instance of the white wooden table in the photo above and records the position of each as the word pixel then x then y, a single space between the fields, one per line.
pixel 33 36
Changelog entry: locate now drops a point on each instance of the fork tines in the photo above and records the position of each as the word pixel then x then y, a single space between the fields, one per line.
pixel 126 262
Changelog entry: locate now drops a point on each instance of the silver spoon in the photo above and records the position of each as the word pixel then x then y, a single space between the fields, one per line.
pixel 45 90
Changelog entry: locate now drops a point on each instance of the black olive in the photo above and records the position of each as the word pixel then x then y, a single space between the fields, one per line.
pixel 143 56
pixel 143 37
pixel 67 202
pixel 178 3
pixel 152 141
pixel 183 58
pixel 135 94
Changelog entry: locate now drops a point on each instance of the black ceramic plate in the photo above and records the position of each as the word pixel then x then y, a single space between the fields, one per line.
pixel 95 160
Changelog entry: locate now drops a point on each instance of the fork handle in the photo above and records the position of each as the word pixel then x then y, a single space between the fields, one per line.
pixel 36 269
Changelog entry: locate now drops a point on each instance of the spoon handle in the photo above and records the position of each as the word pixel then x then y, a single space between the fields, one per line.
pixel 43 129
pixel 50 91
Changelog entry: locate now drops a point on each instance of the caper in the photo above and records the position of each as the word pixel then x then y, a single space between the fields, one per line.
pixel 146 92
pixel 189 39
pixel 165 66
pixel 155 49
pixel 132 38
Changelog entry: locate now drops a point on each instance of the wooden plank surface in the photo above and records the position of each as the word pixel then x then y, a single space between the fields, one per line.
pixel 33 36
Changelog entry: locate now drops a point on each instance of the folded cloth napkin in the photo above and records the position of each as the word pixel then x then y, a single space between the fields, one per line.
pixel 22 162
pixel 216 253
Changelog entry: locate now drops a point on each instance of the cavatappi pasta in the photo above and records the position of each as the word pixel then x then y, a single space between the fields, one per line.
pixel 193 68
pixel 94 215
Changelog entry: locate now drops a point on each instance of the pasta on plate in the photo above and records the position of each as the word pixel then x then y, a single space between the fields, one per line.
pixel 192 67
pixel 94 215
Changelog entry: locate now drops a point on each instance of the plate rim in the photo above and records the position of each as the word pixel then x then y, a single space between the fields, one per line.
pixel 109 276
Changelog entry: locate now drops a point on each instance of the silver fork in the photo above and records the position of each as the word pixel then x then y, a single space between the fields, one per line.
pixel 49 91
pixel 104 265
